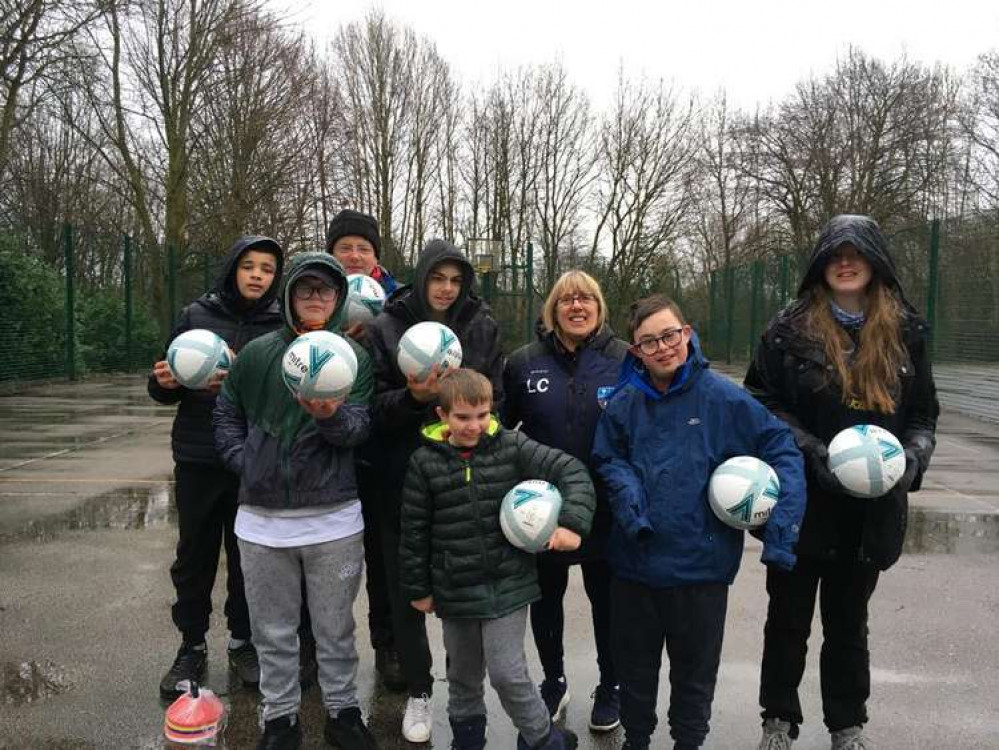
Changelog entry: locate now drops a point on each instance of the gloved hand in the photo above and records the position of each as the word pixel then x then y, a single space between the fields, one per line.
pixel 818 461
pixel 911 470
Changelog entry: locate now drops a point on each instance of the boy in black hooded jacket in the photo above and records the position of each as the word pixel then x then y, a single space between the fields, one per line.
pixel 239 307
pixel 442 290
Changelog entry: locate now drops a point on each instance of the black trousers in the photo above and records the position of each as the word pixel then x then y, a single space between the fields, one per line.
pixel 375 581
pixel 548 617
pixel 206 498
pixel 409 624
pixel 690 622
pixel 844 591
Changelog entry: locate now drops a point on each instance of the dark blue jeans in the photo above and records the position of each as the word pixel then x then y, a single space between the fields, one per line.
pixel 844 590
pixel 690 622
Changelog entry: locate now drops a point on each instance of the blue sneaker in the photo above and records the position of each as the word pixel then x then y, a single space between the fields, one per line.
pixel 606 714
pixel 555 694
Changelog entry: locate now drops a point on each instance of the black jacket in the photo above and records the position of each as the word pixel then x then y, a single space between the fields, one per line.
pixel 452 545
pixel 790 375
pixel 221 310
pixel 557 397
pixel 397 415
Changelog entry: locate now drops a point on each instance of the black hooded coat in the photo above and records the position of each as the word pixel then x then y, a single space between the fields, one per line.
pixel 791 376
pixel 224 311
pixel 397 415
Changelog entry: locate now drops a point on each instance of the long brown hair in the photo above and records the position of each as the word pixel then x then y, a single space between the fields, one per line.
pixel 871 380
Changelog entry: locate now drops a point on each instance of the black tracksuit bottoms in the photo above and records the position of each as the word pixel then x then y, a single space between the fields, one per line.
pixel 844 590
pixel 690 622
pixel 206 498
pixel 548 616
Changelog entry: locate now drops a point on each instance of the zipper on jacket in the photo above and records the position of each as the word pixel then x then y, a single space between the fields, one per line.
pixel 483 551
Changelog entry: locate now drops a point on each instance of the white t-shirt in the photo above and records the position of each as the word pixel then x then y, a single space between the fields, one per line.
pixel 300 527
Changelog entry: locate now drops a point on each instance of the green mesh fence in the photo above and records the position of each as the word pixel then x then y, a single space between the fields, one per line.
pixel 86 305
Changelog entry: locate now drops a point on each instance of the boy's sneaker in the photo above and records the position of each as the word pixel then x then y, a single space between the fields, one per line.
pixel 348 732
pixel 388 668
pixel 557 739
pixel 606 714
pixel 776 735
pixel 468 734
pixel 555 694
pixel 282 733
pixel 851 738
pixel 417 721
pixel 243 661
pixel 190 665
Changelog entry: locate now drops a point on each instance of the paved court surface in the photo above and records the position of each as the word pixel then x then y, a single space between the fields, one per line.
pixel 86 538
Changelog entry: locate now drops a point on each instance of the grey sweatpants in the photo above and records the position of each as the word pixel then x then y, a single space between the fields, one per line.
pixel 272 577
pixel 475 646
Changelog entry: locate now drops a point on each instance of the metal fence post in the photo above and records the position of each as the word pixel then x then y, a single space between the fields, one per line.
pixel 755 301
pixel 529 291
pixel 785 279
pixel 729 311
pixel 206 269
pixel 934 285
pixel 67 236
pixel 127 281
pixel 172 282
pixel 712 310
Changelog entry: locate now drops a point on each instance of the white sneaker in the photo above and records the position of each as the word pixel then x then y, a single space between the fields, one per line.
pixel 417 721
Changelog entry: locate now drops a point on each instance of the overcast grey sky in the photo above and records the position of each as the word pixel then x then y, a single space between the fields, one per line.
pixel 755 49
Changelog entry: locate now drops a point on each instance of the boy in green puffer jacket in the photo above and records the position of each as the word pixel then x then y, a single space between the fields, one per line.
pixel 299 515
pixel 455 560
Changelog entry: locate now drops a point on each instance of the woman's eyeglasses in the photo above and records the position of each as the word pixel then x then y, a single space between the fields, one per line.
pixel 305 291
pixel 667 339
pixel 567 300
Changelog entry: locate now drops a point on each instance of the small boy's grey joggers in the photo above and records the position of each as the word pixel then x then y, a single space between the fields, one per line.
pixel 497 646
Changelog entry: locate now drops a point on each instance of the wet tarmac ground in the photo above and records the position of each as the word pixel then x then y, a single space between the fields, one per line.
pixel 87 534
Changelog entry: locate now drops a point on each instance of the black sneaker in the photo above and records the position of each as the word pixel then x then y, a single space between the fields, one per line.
pixel 191 664
pixel 388 667
pixel 606 714
pixel 282 733
pixel 243 661
pixel 555 694
pixel 348 732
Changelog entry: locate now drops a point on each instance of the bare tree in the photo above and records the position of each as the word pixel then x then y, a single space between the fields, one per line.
pixel 642 189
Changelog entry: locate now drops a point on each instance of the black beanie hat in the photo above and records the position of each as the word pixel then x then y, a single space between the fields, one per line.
pixel 349 223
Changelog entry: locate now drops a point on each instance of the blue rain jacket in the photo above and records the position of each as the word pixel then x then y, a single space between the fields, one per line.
pixel 656 452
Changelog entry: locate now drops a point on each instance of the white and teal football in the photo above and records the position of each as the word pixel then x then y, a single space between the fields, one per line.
pixel 868 460
pixel 319 364
pixel 427 344
pixel 195 356
pixel 743 491
pixel 529 514
pixel 365 299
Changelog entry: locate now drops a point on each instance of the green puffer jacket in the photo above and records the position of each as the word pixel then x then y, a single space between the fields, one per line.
pixel 452 546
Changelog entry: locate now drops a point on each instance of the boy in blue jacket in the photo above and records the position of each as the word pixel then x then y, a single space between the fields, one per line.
pixel 668 426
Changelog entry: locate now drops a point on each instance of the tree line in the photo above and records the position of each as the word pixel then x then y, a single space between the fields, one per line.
pixel 184 123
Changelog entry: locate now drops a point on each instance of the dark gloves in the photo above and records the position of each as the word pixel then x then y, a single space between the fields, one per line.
pixel 910 473
pixel 817 459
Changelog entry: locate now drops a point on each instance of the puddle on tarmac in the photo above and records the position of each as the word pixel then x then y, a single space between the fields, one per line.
pixel 30 681
pixel 128 508
pixel 952 533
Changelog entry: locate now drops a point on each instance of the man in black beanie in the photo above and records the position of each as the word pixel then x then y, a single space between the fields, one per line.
pixel 353 239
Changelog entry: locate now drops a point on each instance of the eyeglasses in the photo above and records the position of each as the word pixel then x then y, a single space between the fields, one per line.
pixel 668 339
pixel 304 291
pixel 567 300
